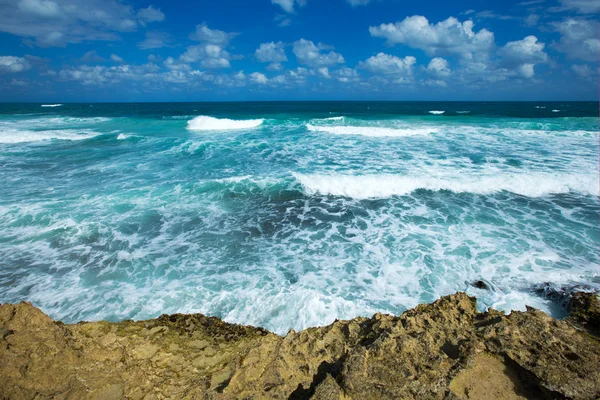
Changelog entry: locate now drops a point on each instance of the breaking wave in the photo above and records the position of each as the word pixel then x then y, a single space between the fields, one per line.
pixel 51 105
pixel 205 123
pixel 385 186
pixel 24 136
pixel 371 130
pixel 435 112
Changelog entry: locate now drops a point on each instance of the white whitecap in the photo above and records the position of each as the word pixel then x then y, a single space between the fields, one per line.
pixel 205 123
pixel 436 112
pixel 372 131
pixel 12 136
pixel 555 110
pixel 385 186
pixel 123 136
pixel 51 105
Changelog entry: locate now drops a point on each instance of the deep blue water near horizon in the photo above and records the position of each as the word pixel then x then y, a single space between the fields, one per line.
pixel 292 214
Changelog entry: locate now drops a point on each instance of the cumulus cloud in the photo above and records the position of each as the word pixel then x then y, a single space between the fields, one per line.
pixel 446 37
pixel 147 73
pixel 271 53
pixel 439 67
pixel 314 56
pixel 150 14
pixel 346 75
pixel 288 5
pixel 579 38
pixel 258 78
pixel 386 64
pixel 209 55
pixel 56 23
pixel 10 64
pixel 214 36
pixel 526 51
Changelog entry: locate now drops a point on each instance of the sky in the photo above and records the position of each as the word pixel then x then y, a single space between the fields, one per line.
pixel 239 50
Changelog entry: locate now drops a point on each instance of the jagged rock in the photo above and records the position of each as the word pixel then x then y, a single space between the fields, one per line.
pixel 585 311
pixel 444 350
pixel 480 285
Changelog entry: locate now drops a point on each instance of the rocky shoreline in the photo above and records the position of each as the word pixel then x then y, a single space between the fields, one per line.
pixel 444 350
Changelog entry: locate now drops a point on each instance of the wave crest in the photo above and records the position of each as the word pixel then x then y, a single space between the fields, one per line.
pixel 385 186
pixel 205 123
pixel 370 130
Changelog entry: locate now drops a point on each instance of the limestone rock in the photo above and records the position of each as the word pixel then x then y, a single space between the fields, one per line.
pixel 444 350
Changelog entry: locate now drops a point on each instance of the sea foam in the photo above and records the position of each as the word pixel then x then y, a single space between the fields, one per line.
pixel 372 131
pixel 51 105
pixel 435 112
pixel 385 186
pixel 24 136
pixel 205 123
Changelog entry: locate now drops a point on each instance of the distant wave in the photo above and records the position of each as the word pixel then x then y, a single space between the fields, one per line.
pixel 384 186
pixel 555 111
pixel 370 130
pixel 435 112
pixel 51 105
pixel 463 112
pixel 205 123
pixel 22 136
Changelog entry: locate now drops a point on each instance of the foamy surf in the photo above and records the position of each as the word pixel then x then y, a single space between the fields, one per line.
pixel 385 186
pixel 51 105
pixel 205 123
pixel 372 131
pixel 435 112
pixel 22 136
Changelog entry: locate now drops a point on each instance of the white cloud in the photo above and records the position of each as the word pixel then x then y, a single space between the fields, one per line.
pixel 583 71
pixel 386 64
pixel 288 5
pixel 526 70
pixel 579 38
pixel 209 55
pixel 355 3
pixel 148 74
pixel 54 23
pixel 324 72
pixel 10 64
pixel 583 6
pixel 346 75
pixel 439 67
pixel 43 8
pixel 155 40
pixel 92 57
pixel 446 37
pixel 150 14
pixel 271 52
pixel 175 65
pixel 258 78
pixel 214 36
pixel 526 51
pixel 308 53
pixel 117 59
pixel 274 67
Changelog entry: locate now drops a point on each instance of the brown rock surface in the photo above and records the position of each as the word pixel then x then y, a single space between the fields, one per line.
pixel 445 350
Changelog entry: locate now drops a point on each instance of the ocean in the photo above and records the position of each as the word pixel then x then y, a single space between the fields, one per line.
pixel 292 214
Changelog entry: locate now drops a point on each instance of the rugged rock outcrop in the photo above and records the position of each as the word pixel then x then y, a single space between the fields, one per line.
pixel 444 350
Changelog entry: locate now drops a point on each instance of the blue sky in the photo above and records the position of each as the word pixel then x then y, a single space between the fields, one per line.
pixel 137 50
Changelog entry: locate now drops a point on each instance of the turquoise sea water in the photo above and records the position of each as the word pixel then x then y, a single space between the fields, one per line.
pixel 289 215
